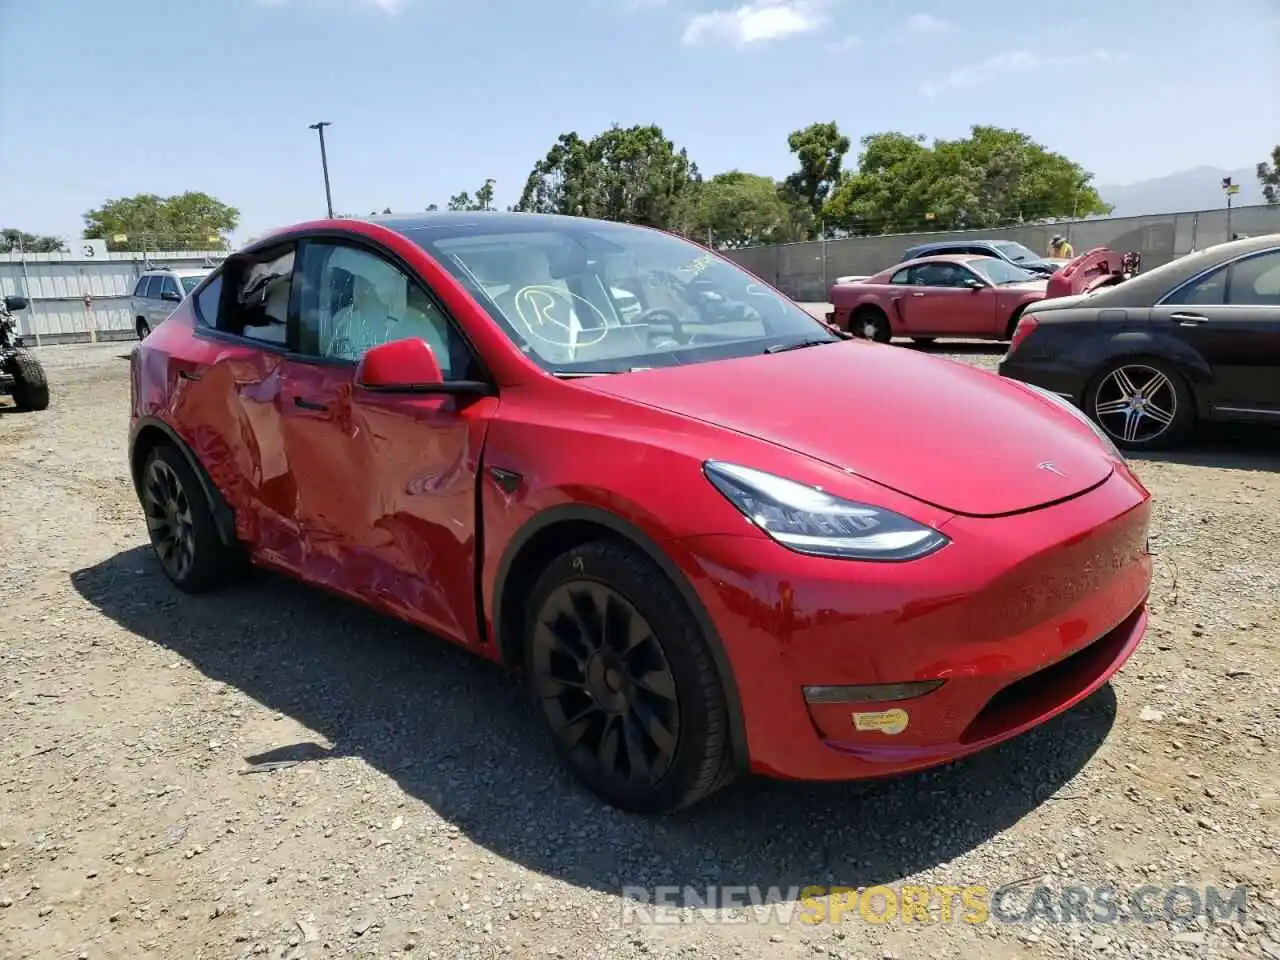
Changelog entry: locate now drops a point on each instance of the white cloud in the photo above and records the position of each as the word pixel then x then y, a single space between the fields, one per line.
pixel 1016 61
pixel 927 23
pixel 758 21
pixel 848 42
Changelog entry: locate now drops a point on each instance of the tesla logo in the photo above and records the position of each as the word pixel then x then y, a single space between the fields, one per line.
pixel 1050 467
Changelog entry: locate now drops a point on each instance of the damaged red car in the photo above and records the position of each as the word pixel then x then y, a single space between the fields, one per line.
pixel 613 460
pixel 963 296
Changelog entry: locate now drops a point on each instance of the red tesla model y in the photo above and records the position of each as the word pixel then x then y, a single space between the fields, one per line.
pixel 716 536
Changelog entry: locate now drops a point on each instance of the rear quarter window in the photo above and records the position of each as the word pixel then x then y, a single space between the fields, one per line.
pixel 207 302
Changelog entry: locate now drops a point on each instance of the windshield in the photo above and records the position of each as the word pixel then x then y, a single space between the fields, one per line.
pixel 190 283
pixel 1016 252
pixel 583 296
pixel 1000 271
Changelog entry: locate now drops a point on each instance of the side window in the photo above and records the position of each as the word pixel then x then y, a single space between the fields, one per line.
pixel 208 302
pixel 169 285
pixel 353 300
pixel 140 289
pixel 152 288
pixel 1208 291
pixel 902 276
pixel 257 306
pixel 940 275
pixel 1255 282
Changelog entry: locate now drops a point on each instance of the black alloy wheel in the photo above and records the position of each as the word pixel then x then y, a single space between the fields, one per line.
pixel 622 674
pixel 180 523
pixel 605 683
pixel 169 519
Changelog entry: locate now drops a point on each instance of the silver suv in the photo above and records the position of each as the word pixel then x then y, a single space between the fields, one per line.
pixel 159 291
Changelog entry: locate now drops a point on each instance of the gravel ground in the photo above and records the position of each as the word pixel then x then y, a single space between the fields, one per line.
pixel 423 815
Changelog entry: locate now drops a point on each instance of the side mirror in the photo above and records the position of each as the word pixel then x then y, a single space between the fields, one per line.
pixel 171 296
pixel 408 366
pixel 973 283
pixel 13 304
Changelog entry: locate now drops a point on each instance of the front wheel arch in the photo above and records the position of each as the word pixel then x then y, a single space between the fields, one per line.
pixel 558 529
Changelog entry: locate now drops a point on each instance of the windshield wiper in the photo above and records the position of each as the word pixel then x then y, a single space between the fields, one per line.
pixel 798 345
pixel 579 374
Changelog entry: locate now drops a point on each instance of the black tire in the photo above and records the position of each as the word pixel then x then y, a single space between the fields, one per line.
pixel 584 684
pixel 30 385
pixel 185 538
pixel 870 323
pixel 1167 388
pixel 1013 323
pixel 143 328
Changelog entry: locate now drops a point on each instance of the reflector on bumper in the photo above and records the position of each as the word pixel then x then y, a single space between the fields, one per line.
pixel 871 693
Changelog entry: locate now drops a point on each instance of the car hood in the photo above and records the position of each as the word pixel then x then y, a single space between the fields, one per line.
pixel 937 430
pixel 1031 286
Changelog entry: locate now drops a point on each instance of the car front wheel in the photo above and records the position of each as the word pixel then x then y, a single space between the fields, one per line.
pixel 624 678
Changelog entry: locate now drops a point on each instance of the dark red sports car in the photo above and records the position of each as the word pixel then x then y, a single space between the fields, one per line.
pixel 715 535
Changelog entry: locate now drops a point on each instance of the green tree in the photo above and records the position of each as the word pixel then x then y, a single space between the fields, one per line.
pixel 991 178
pixel 735 209
pixel 432 207
pixel 632 174
pixel 15 241
pixel 462 201
pixel 1269 176
pixel 186 221
pixel 820 149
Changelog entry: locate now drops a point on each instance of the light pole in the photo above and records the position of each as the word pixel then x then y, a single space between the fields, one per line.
pixel 324 163
pixel 1230 189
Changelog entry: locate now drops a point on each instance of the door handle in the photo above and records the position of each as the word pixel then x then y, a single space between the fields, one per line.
pixel 188 375
pixel 308 404
pixel 1188 319
pixel 917 294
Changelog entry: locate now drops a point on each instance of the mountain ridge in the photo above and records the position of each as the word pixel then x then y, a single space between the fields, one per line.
pixel 1199 188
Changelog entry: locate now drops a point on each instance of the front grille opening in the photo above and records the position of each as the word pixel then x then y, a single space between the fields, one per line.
pixel 1025 699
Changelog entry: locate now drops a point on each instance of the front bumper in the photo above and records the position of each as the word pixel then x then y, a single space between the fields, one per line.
pixel 1021 616
pixel 1065 380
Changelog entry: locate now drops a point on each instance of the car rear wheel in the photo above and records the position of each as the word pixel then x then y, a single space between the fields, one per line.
pixel 1142 404
pixel 1012 326
pixel 870 323
pixel 625 680
pixel 180 523
pixel 144 328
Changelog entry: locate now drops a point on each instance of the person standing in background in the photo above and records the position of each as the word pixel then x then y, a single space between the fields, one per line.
pixel 1059 247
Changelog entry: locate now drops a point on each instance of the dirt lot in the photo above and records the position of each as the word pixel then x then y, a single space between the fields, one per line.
pixel 427 818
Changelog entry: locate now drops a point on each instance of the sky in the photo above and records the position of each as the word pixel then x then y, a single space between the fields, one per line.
pixel 429 97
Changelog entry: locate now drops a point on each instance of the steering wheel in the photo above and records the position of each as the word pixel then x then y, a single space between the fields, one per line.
pixel 660 316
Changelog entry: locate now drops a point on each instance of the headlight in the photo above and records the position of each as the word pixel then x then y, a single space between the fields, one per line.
pixel 808 520
pixel 1080 415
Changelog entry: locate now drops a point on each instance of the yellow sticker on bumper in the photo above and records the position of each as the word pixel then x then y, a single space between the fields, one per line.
pixel 890 722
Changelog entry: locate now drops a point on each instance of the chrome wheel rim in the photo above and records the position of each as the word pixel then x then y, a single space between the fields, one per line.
pixel 869 329
pixel 605 685
pixel 168 512
pixel 1136 403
